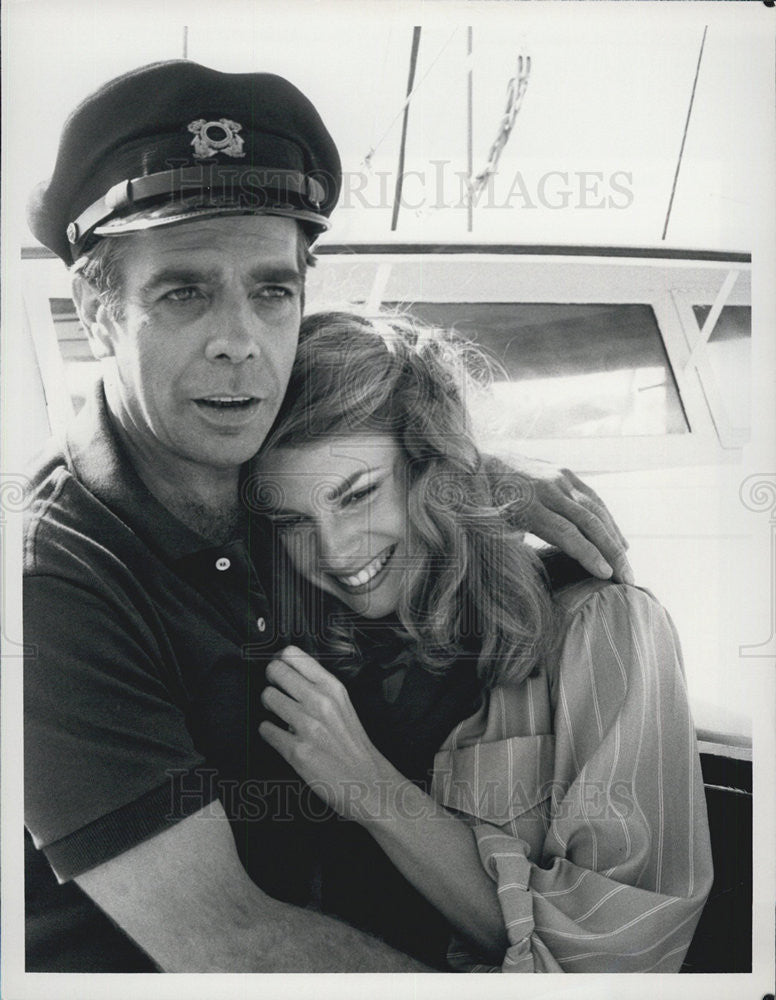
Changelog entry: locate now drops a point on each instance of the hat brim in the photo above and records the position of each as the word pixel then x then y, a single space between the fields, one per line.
pixel 152 220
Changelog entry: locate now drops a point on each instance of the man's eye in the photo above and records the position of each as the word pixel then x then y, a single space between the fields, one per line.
pixel 275 292
pixel 358 495
pixel 186 294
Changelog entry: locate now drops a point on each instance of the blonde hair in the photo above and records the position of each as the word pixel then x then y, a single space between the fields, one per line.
pixel 478 590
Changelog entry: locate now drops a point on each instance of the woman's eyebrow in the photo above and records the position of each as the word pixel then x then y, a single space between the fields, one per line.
pixel 351 480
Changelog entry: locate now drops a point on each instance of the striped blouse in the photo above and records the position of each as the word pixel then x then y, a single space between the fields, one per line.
pixel 583 789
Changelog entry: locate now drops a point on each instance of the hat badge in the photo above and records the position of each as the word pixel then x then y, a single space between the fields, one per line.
pixel 212 137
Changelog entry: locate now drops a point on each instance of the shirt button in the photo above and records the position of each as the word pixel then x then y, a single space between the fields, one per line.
pixel 261 625
pixel 223 563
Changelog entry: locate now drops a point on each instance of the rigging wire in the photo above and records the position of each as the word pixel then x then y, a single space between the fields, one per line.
pixel 469 122
pixel 684 136
pixel 403 143
pixel 367 161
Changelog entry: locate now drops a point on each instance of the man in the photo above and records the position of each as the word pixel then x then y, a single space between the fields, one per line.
pixel 184 201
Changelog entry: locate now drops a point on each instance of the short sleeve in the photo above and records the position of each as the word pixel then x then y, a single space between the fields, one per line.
pixel 108 758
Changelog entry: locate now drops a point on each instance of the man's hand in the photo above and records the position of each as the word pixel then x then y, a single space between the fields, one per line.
pixel 556 506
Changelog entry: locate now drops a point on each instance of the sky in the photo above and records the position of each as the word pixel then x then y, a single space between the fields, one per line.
pixel 593 153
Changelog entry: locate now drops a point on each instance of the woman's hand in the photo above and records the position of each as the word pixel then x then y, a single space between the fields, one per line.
pixel 327 746
pixel 325 743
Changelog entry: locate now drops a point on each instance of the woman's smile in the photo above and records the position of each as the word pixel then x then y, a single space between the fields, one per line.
pixel 342 508
pixel 368 576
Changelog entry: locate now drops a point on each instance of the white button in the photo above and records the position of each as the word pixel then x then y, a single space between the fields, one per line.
pixel 223 563
pixel 261 625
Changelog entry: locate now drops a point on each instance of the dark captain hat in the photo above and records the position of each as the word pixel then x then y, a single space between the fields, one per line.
pixel 175 140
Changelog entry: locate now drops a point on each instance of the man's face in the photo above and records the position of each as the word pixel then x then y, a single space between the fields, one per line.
pixel 206 340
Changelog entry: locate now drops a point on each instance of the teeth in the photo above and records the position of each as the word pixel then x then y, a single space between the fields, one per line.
pixel 369 572
pixel 226 400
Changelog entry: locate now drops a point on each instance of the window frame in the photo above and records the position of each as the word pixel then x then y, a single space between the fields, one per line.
pixel 669 283
pixel 366 275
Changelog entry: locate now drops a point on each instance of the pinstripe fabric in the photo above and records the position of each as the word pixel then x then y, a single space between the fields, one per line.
pixel 583 789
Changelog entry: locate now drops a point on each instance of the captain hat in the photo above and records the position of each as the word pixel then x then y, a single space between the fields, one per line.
pixel 176 140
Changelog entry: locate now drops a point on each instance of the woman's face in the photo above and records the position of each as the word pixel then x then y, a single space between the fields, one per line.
pixel 341 507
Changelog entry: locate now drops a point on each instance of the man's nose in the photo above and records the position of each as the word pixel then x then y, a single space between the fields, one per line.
pixel 235 335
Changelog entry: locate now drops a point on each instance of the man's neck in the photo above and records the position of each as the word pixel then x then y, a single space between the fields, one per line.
pixel 217 525
pixel 206 500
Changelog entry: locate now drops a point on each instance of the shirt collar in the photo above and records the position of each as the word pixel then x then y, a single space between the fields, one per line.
pixel 98 459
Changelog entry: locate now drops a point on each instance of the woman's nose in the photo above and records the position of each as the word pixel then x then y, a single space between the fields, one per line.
pixel 342 541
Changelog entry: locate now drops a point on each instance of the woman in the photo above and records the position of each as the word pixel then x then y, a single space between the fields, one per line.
pixel 563 827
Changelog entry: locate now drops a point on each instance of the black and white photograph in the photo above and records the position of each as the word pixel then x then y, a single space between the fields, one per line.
pixel 388 498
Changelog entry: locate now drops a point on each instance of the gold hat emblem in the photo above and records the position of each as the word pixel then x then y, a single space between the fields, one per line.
pixel 216 137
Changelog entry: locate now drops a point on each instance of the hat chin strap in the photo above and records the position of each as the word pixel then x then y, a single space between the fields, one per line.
pixel 273 192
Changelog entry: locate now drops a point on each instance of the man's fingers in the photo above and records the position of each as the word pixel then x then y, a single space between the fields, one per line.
pixel 601 509
pixel 558 530
pixel 593 547
pixel 598 526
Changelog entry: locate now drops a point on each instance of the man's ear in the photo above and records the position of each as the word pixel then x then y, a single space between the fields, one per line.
pixel 95 317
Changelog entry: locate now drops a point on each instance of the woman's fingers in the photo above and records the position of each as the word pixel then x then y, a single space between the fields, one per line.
pixel 285 708
pixel 286 677
pixel 307 665
pixel 279 739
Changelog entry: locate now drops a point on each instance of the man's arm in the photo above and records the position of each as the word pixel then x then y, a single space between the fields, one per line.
pixel 556 506
pixel 184 897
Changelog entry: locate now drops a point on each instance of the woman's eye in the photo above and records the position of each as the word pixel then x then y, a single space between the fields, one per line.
pixel 354 498
pixel 288 521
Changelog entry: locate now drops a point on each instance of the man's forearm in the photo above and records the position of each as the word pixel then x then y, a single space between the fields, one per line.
pixel 286 938
pixel 185 899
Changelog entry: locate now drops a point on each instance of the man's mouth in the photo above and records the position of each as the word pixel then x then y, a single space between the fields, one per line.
pixel 365 577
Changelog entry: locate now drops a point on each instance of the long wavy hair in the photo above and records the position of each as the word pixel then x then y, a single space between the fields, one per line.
pixel 476 588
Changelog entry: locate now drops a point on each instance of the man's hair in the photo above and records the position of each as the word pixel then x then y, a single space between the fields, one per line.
pixel 102 268
pixel 477 589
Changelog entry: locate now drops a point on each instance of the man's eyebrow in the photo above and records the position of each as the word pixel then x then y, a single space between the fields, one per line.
pixel 177 276
pixel 271 273
pixel 192 275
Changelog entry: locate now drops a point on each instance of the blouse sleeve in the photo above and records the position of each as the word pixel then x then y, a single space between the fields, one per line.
pixel 625 862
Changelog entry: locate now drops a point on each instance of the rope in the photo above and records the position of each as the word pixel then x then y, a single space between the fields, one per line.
pixel 516 89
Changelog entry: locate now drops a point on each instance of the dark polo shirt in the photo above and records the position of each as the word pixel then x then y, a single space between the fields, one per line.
pixel 141 699
pixel 142 706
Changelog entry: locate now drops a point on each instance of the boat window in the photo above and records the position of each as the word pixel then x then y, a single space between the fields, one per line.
pixel 571 370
